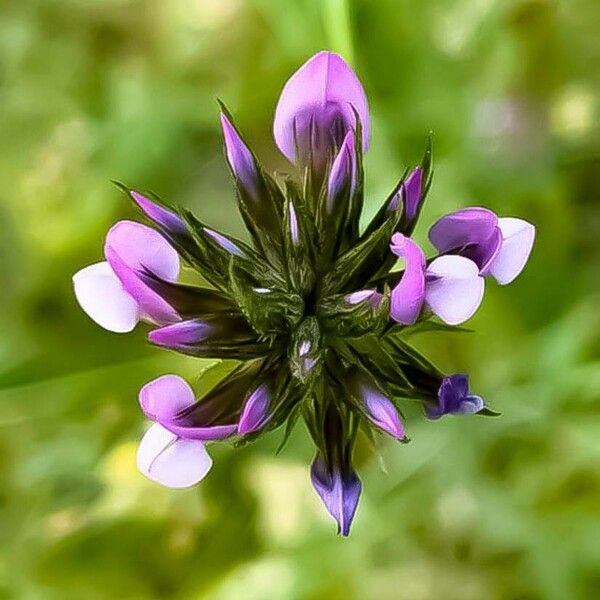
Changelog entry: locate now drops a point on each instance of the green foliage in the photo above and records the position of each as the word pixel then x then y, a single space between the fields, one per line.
pixel 501 508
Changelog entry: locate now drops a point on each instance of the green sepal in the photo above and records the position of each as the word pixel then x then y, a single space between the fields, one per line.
pixel 353 268
pixel 268 310
pixel 342 319
pixel 262 215
pixel 305 351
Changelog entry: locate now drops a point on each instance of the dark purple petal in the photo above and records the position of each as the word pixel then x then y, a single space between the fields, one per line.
pixel 182 334
pixel 316 108
pixel 240 159
pixel 412 191
pixel 255 411
pixel 408 296
pixel 471 232
pixel 131 248
pixel 340 493
pixel 342 175
pixel 224 242
pixel 160 215
pixel 454 398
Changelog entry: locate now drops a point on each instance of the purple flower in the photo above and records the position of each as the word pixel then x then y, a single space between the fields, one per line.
pixel 451 286
pixel 339 490
pixel 499 246
pixel 240 159
pixel 162 216
pixel 342 177
pixel 255 412
pixel 454 398
pixel 114 294
pixel 372 296
pixel 224 242
pixel 380 410
pixel 316 110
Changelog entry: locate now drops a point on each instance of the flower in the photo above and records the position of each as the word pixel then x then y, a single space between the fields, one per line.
pixel 311 310
pixel 499 246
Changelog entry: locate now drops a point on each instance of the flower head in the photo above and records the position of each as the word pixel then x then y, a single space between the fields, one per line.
pixel 312 309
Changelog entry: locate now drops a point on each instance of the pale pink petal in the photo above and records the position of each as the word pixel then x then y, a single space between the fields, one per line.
pixel 170 460
pixel 104 299
pixel 517 241
pixel 454 288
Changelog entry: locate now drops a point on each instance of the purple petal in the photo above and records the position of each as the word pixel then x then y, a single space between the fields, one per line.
pixel 163 398
pixel 342 173
pixel 464 227
pixel 181 334
pixel 454 398
pixel 240 158
pixel 517 241
pixel 255 411
pixel 172 461
pixel 320 97
pixel 131 248
pixel 224 242
pixel 160 215
pixel 103 298
pixel 412 189
pixel 409 294
pixel 382 412
pixel 454 288
pixel 339 494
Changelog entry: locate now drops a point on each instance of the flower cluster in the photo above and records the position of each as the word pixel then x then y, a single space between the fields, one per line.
pixel 313 309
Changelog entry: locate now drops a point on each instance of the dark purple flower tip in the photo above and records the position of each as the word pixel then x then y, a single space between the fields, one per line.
pixel 317 107
pixel 454 398
pixel 224 242
pixel 381 411
pixel 164 217
pixel 412 193
pixel 255 410
pixel 471 232
pixel 240 158
pixel 340 493
pixel 181 334
pixel 343 172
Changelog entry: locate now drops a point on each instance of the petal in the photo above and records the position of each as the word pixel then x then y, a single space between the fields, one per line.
pixel 293 224
pixel 456 230
pixel 342 175
pixel 517 241
pixel 224 242
pixel 160 215
pixel 254 413
pixel 339 494
pixel 322 91
pixel 470 405
pixel 103 298
pixel 382 412
pixel 131 248
pixel 411 189
pixel 408 295
pixel 163 398
pixel 172 461
pixel 240 158
pixel 454 288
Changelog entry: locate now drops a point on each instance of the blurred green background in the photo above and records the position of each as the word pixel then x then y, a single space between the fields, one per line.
pixel 498 509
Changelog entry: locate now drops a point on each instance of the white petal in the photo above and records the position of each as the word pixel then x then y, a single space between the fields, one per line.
pixel 103 298
pixel 517 242
pixel 170 460
pixel 456 292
